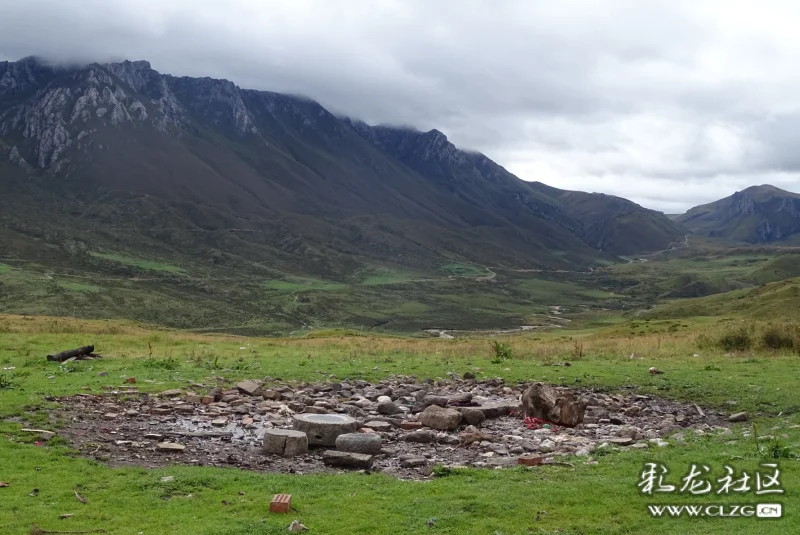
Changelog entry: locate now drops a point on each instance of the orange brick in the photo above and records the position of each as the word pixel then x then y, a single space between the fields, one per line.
pixel 131 380
pixel 529 460
pixel 281 503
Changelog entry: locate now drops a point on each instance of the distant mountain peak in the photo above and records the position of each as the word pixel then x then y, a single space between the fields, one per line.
pixel 758 214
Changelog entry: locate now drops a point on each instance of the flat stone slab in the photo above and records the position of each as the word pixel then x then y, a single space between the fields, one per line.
pixel 322 429
pixel 170 447
pixel 345 459
pixel 285 442
pixel 369 443
pixel 251 388
pixel 378 426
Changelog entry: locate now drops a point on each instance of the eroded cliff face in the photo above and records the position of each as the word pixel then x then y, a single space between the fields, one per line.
pixel 64 106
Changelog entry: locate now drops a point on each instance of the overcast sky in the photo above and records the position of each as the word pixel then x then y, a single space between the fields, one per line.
pixel 670 104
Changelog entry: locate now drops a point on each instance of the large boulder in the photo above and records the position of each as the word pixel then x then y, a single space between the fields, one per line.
pixel 437 417
pixel 558 406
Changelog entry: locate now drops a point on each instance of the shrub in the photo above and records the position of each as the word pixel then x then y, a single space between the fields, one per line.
pixel 502 352
pixel 737 339
pixel 780 337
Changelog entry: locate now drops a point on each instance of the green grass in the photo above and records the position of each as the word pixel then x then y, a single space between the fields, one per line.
pixel 151 265
pixel 601 499
pixel 465 270
pixel 4 268
pixel 302 285
pixel 79 287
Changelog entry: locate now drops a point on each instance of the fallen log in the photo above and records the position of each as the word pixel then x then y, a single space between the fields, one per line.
pixel 64 355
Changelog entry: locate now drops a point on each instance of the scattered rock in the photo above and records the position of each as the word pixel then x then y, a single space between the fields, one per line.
pixel 413 462
pixel 472 415
pixel 171 393
pixel 738 417
pixel 440 418
pixel 379 426
pixel 389 408
pixel 410 426
pixel 251 388
pixel 423 436
pixel 170 447
pixel 347 459
pixel 621 441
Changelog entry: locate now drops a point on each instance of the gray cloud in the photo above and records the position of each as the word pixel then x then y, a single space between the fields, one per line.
pixel 669 103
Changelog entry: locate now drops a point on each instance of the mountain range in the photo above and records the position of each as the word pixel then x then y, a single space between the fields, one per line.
pixel 119 157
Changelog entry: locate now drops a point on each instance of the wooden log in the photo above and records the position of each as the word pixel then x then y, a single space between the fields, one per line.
pixel 64 355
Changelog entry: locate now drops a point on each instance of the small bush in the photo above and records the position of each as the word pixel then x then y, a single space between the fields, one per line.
pixel 737 339
pixel 780 337
pixel 502 352
pixel 161 364
pixel 5 382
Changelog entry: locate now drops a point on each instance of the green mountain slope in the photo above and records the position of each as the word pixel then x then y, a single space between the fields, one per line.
pixel 759 214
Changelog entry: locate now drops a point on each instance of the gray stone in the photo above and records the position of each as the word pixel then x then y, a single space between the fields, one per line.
pixel 413 461
pixel 369 443
pixel 378 426
pixel 738 417
pixel 429 400
pixel 170 447
pixel 472 415
pixel 440 418
pixel 346 459
pixel 622 441
pixel 251 388
pixel 498 410
pixel 285 442
pixel 322 429
pixel 422 436
pixel 388 408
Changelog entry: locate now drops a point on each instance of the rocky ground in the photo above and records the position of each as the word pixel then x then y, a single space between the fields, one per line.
pixel 205 425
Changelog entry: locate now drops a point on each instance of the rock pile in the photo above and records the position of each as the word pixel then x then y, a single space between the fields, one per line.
pixel 399 426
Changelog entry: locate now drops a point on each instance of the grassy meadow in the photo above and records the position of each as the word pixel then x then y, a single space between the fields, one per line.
pixel 597 498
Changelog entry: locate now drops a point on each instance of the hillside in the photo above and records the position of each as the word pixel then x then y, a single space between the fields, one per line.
pixel 759 214
pixel 604 222
pixel 776 300
pixel 186 199
pixel 611 223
